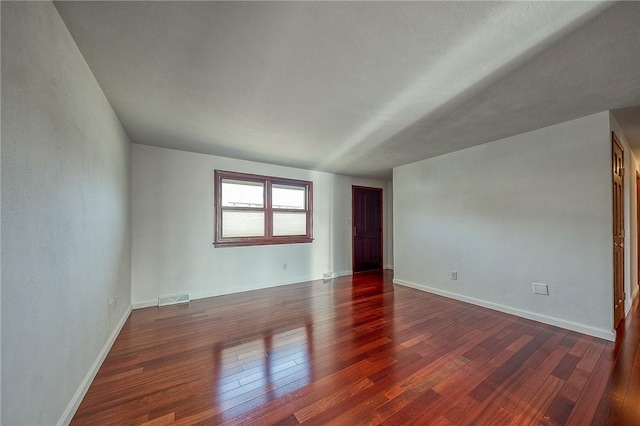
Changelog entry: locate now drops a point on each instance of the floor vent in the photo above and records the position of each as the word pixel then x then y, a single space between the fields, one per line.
pixel 172 299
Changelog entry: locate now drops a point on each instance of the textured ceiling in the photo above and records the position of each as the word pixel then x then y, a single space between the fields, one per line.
pixel 629 121
pixel 354 87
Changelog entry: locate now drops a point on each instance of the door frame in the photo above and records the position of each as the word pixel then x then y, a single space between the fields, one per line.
pixel 353 216
pixel 615 141
pixel 637 226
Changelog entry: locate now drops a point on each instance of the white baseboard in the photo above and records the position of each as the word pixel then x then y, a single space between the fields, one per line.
pixel 203 295
pixel 145 303
pixel 388 267
pixel 569 325
pixel 629 301
pixel 70 411
pixel 194 296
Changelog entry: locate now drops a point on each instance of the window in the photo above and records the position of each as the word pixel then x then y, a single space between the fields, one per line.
pixel 255 210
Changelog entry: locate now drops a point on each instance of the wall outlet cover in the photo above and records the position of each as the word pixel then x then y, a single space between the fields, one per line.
pixel 539 288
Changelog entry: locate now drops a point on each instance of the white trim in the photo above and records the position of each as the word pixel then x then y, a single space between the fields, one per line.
pixel 569 325
pixel 195 296
pixel 629 302
pixel 204 295
pixel 145 304
pixel 388 267
pixel 73 405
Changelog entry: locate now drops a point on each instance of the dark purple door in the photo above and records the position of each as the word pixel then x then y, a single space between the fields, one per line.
pixel 367 229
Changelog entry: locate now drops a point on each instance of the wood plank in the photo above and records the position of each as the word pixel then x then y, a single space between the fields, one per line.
pixel 587 403
pixel 358 351
pixel 534 410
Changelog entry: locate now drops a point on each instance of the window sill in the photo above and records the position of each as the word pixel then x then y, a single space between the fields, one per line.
pixel 262 242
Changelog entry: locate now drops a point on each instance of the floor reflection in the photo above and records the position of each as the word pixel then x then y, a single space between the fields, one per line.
pixel 289 354
pixel 260 369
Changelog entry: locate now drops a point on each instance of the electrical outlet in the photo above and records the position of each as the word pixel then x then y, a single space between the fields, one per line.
pixel 539 288
pixel 453 275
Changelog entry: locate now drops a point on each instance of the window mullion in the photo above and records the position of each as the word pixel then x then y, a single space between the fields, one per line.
pixel 309 210
pixel 242 209
pixel 268 212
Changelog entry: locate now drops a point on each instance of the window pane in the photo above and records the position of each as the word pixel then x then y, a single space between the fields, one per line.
pixel 242 224
pixel 289 224
pixel 288 197
pixel 237 193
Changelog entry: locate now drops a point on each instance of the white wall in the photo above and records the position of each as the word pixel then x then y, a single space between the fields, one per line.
pixel 535 207
pixel 389 216
pixel 173 225
pixel 630 217
pixel 65 218
pixel 0 246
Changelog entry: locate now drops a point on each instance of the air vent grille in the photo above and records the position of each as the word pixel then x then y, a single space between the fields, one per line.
pixel 172 299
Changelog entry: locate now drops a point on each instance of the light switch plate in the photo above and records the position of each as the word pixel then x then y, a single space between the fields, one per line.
pixel 539 288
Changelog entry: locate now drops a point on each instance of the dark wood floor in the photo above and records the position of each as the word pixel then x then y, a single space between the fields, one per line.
pixel 359 350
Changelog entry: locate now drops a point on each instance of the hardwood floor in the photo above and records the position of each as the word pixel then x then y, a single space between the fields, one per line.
pixel 359 350
pixel 620 404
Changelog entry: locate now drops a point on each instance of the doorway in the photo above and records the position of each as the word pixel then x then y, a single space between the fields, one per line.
pixel 638 223
pixel 618 230
pixel 367 228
